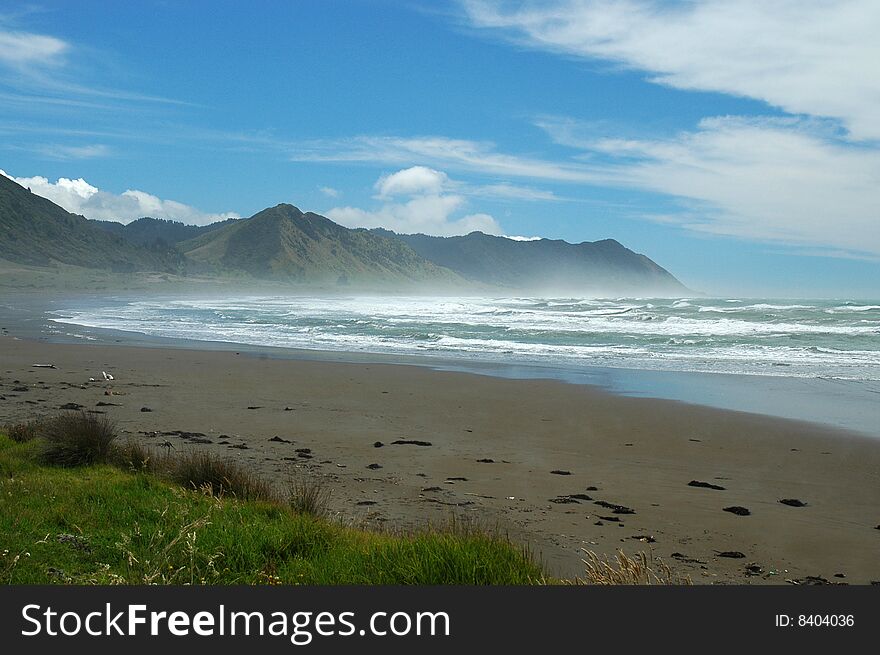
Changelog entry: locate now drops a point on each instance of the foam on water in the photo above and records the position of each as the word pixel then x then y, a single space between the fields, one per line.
pixel 804 338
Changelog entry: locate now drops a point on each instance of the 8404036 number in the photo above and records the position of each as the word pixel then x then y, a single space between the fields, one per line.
pixel 815 621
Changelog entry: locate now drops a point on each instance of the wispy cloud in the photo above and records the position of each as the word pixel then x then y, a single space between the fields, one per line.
pixel 21 49
pixel 457 154
pixel 68 152
pixel 804 56
pixel 80 197
pixel 768 179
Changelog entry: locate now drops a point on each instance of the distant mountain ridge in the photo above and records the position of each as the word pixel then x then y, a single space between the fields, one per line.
pixel 282 243
pixel 37 232
pixel 147 231
pixel 604 266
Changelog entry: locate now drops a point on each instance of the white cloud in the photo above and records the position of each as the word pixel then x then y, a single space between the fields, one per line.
pixel 428 207
pixel 79 197
pixel 19 49
pixel 329 191
pixel 776 180
pixel 519 238
pixel 815 57
pixel 412 181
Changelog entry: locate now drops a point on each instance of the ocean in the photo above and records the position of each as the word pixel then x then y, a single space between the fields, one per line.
pixel 835 339
pixel 813 360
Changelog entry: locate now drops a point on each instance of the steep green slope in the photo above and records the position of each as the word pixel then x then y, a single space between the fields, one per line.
pixel 37 232
pixel 283 242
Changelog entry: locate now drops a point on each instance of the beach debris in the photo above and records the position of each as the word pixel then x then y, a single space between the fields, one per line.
pixel 456 479
pixel 42 365
pixel 146 409
pixel 705 485
pixel 753 569
pixel 288 409
pixel 681 557
pixel 736 509
pixel 103 404
pixel 877 527
pixel 646 538
pixel 696 440
pixel 580 496
pixel 432 489
pixel 240 446
pixel 811 580
pixel 616 509
pixel 278 439
pixel 20 388
pixel 611 519
pixel 793 502
pixel 840 575
pixel 560 472
pixel 732 554
pixel 107 376
pixel 592 488
pixel 564 500
pixel 377 444
pixel 486 460
pixel 471 493
pixel 73 406
pixel 303 451
pixel 410 442
pixel 511 497
pixel 366 502
pixel 374 467
pixel 200 440
pixel 255 407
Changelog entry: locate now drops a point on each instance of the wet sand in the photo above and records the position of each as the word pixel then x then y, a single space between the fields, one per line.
pixel 559 467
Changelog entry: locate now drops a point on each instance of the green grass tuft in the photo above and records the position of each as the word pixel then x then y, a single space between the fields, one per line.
pixel 112 524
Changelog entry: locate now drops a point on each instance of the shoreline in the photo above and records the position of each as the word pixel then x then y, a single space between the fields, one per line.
pixel 627 453
pixel 840 404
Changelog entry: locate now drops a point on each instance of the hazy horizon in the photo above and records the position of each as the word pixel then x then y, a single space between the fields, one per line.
pixel 693 147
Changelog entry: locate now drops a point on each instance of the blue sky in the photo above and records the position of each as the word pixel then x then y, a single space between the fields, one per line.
pixel 737 144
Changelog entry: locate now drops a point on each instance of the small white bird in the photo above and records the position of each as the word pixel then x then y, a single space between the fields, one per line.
pixel 106 375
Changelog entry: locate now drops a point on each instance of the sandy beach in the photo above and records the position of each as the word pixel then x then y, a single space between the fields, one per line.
pixel 559 467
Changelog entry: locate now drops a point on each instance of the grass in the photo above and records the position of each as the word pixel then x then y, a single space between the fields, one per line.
pixel 24 431
pixel 641 569
pixel 119 523
pixel 76 439
pixel 217 476
pixel 308 496
pixel 78 507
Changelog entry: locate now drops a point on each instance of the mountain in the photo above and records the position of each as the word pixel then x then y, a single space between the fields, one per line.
pixel 547 265
pixel 282 242
pixel 148 231
pixel 285 244
pixel 35 231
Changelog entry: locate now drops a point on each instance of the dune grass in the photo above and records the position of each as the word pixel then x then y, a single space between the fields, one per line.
pixel 112 523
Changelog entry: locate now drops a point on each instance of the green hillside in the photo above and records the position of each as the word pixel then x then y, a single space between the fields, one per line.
pixel 284 243
pixel 37 232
